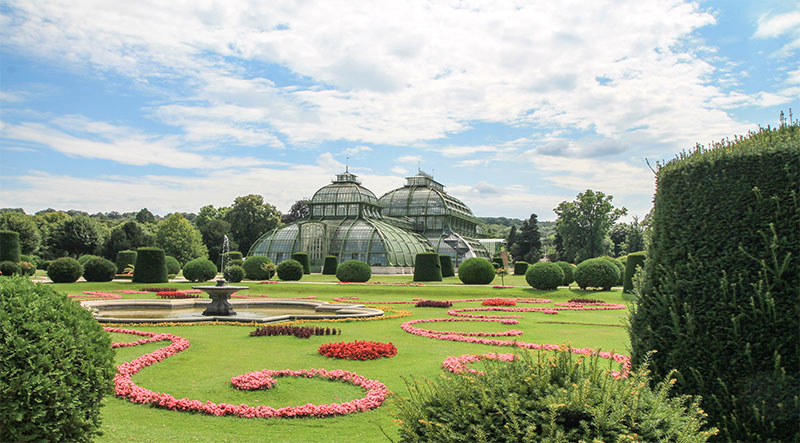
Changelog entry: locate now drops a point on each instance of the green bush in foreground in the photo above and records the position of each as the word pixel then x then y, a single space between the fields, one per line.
pixel 99 269
pixel 233 273
pixel 598 273
pixel 290 270
pixel 59 368
pixel 354 271
pixel 64 270
pixel 254 268
pixel 558 398
pixel 569 272
pixel 447 265
pixel 331 263
pixel 476 271
pixel 199 269
pixel 8 268
pixel 151 266
pixel 302 258
pixel 544 275
pixel 427 267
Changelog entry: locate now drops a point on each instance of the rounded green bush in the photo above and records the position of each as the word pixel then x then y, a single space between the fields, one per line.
pixel 290 270
pixel 569 272
pixel 598 273
pixel 173 265
pixel 9 246
pixel 199 269
pixel 83 259
pixel 150 266
pixel 635 260
pixel 8 268
pixel 64 270
pixel 125 259
pixel 620 267
pixel 99 270
pixel 32 259
pixel 59 368
pixel 234 255
pixel 521 267
pixel 302 258
pixel 44 264
pixel 354 271
pixel 234 273
pixel 447 265
pixel 544 275
pixel 27 268
pixel 476 271
pixel 331 263
pixel 427 267
pixel 254 268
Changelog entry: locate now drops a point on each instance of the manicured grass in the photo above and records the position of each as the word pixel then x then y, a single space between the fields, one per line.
pixel 219 352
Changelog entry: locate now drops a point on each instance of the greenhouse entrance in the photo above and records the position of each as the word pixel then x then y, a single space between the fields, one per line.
pixel 314 241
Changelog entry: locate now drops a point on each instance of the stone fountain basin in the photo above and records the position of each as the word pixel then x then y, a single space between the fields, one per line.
pixel 190 311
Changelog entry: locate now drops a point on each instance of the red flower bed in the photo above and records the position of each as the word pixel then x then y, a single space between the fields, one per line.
pixel 176 294
pixel 498 302
pixel 358 350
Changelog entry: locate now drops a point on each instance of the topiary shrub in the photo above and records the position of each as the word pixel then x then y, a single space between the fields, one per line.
pixel 99 269
pixel 476 271
pixel 427 267
pixel 83 259
pixel 64 270
pixel 598 273
pixel 44 264
pixel 26 268
pixel 547 398
pixel 354 271
pixel 254 268
pixel 520 267
pixel 620 267
pixel 234 255
pixel 199 269
pixel 302 258
pixel 290 270
pixel 447 265
pixel 150 266
pixel 632 264
pixel 9 268
pixel 233 273
pixel 720 301
pixel 331 263
pixel 173 265
pixel 544 275
pixel 9 246
pixel 569 272
pixel 32 259
pixel 125 259
pixel 57 370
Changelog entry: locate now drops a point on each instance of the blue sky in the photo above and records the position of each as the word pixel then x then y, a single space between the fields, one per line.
pixel 513 106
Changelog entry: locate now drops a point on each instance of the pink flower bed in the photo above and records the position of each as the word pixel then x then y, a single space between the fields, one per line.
pixel 176 294
pixel 464 300
pixel 458 365
pixel 235 295
pixel 459 312
pixel 102 295
pixel 125 388
pixel 378 283
pixel 502 287
pixel 266 282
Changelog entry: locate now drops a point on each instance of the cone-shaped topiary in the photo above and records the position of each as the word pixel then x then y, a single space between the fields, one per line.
pixel 569 272
pixel 150 266
pixel 99 269
pixel 331 263
pixel 447 265
pixel 254 268
pixel 544 275
pixel 476 271
pixel 59 368
pixel 290 270
pixel 125 259
pixel 634 262
pixel 233 273
pixel 302 258
pixel 9 246
pixel 598 273
pixel 427 267
pixel 199 269
pixel 520 267
pixel 64 270
pixel 354 271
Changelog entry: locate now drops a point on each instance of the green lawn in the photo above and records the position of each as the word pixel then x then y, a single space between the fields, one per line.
pixel 219 352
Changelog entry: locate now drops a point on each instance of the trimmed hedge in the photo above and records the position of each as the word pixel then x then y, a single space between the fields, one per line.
pixel 331 263
pixel 199 269
pixel 99 269
pixel 8 268
pixel 598 273
pixel 427 267
pixel 125 259
pixel 302 258
pixel 64 270
pixel 620 267
pixel 354 271
pixel 234 255
pixel 544 275
pixel 569 272
pixel 233 273
pixel 83 259
pixel 721 299
pixel 173 265
pixel 634 261
pixel 290 270
pixel 254 270
pixel 476 271
pixel 447 265
pixel 521 267
pixel 150 266
pixel 59 368
pixel 9 246
pixel 498 261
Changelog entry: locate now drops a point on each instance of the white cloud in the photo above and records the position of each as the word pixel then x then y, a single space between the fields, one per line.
pixel 611 177
pixel 356 150
pixel 409 159
pixel 779 25
pixel 399 170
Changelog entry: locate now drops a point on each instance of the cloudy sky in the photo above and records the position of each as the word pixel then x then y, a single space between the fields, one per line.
pixel 513 106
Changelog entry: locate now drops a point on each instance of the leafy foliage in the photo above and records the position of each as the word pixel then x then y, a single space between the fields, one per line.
pixel 620 264
pixel 427 267
pixel 330 265
pixel 527 241
pixel 354 271
pixel 30 237
pixel 64 270
pixel 125 259
pixel 8 267
pixel 9 246
pixel 99 269
pixel 447 265
pixel 290 270
pixel 234 273
pixel 178 238
pixel 635 261
pixel 598 273
pixel 583 224
pixel 254 268
pixel 569 272
pixel 250 217
pixel 544 275
pixel 199 269
pixel 128 236
pixel 476 271
pixel 173 265
pixel 302 258
pixel 150 266
pixel 520 267
pixel 77 236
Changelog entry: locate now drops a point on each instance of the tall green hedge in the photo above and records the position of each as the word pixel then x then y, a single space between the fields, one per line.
pixel 151 266
pixel 721 301
pixel 329 268
pixel 9 246
pixel 447 265
pixel 521 267
pixel 427 267
pixel 635 260
pixel 302 258
pixel 125 259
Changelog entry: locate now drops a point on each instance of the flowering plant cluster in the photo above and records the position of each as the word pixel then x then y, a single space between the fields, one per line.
pixel 126 275
pixel 433 304
pixel 460 312
pixel 102 295
pixel 266 282
pixel 458 365
pixel 463 300
pixel 379 283
pixel 176 294
pixel 585 300
pixel 498 302
pixel 588 307
pixel 297 331
pixel 358 350
pixel 235 295
pixel 157 289
pixel 125 388
pixel 502 287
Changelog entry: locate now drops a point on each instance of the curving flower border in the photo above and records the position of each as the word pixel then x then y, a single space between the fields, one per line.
pixel 125 388
pixel 458 365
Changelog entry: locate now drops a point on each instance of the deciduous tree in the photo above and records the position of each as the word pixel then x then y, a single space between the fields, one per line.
pixel 250 217
pixel 583 224
pixel 178 238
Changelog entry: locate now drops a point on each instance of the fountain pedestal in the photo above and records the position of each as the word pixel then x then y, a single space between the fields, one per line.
pixel 220 294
